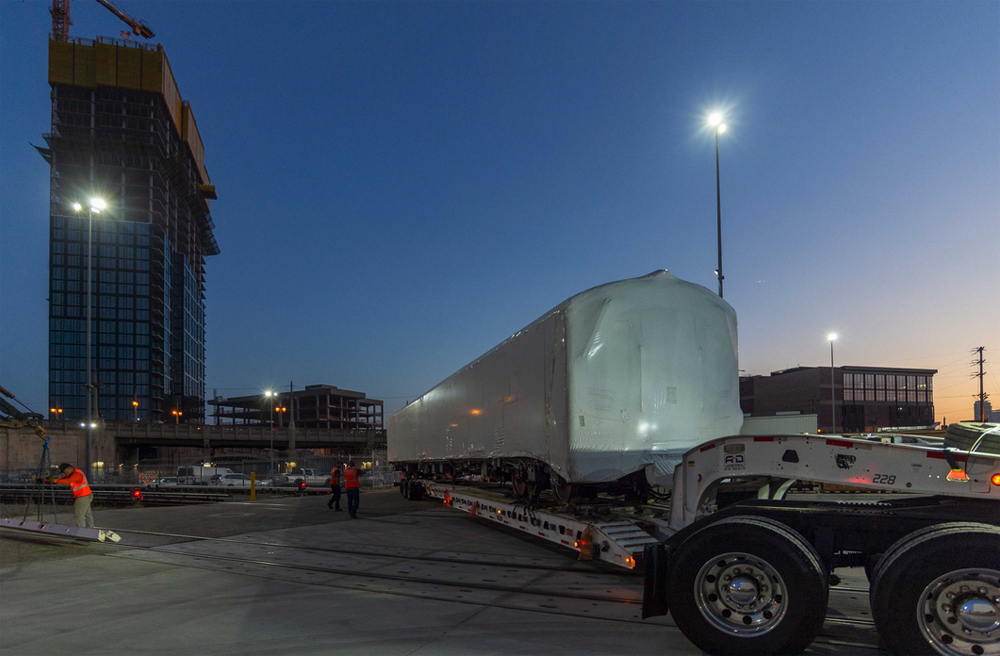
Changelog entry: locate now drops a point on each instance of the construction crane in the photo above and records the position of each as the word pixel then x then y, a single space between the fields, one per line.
pixel 61 21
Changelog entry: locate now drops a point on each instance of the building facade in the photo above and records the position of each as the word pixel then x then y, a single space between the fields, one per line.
pixel 990 414
pixel 861 399
pixel 316 406
pixel 121 133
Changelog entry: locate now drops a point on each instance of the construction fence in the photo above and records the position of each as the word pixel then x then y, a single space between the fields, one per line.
pixel 375 470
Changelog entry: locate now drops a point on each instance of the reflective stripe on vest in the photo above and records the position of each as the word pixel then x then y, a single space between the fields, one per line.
pixel 351 478
pixel 335 476
pixel 77 483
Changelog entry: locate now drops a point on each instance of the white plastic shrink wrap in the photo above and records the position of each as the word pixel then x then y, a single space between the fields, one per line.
pixel 621 376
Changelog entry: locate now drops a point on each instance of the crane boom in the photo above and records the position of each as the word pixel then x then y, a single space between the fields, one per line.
pixel 137 26
pixel 61 21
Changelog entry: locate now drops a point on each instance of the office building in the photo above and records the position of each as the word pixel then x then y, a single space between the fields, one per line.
pixel 991 415
pixel 122 133
pixel 863 399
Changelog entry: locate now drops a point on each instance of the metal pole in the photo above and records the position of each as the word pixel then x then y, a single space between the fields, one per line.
pixel 718 207
pixel 833 392
pixel 272 436
pixel 292 455
pixel 90 382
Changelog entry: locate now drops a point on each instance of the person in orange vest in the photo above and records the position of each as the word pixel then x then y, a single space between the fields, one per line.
pixel 353 487
pixel 335 486
pixel 82 495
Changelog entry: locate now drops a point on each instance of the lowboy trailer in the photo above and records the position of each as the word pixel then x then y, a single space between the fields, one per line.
pixel 753 577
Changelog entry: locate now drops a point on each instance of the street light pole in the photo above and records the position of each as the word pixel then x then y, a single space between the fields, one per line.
pixel 833 390
pixel 718 205
pixel 715 122
pixel 96 205
pixel 270 396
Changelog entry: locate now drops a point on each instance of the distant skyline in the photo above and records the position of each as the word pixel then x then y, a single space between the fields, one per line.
pixel 402 185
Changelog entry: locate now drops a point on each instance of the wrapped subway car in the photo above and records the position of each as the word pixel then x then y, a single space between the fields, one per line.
pixel 609 388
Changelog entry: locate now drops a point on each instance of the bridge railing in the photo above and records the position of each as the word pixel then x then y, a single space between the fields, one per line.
pixel 254 432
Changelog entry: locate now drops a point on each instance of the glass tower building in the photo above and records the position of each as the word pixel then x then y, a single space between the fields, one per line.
pixel 122 133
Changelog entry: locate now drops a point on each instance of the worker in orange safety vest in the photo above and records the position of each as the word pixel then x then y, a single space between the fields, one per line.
pixel 82 495
pixel 353 487
pixel 335 486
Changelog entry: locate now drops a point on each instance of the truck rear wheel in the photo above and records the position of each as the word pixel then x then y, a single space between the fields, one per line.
pixel 873 573
pixel 747 585
pixel 937 591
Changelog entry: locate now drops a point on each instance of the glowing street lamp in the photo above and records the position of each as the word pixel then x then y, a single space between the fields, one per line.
pixel 95 207
pixel 833 391
pixel 177 416
pixel 715 122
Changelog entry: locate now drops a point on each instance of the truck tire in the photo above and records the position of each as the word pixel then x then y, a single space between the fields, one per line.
pixel 936 592
pixel 747 585
pixel 890 555
pixel 415 491
pixel 404 488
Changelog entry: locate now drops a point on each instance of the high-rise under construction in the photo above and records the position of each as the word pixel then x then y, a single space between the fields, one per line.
pixel 123 138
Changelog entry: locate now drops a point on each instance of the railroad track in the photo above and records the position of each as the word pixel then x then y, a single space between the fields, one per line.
pixel 487 590
pixel 588 567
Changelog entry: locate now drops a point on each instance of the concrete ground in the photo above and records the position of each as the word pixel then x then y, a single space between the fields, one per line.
pixel 289 576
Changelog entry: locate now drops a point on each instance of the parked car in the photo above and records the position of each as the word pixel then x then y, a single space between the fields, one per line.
pixel 167 481
pixel 199 474
pixel 311 478
pixel 235 480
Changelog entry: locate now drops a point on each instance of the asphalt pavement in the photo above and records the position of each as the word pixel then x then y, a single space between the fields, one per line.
pixel 289 576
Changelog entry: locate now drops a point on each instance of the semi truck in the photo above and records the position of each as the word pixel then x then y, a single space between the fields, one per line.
pixel 621 403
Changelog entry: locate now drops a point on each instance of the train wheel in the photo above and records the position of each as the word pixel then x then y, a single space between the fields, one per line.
pixel 747 585
pixel 561 489
pixel 520 485
pixel 938 592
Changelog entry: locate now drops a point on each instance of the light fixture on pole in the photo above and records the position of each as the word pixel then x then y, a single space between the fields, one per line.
pixel 95 207
pixel 833 390
pixel 715 121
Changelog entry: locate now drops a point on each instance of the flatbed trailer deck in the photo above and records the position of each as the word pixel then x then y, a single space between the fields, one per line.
pixel 753 577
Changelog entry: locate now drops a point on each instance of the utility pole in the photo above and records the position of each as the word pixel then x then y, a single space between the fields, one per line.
pixel 982 395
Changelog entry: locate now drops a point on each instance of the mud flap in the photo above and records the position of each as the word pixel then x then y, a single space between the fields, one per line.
pixel 655 559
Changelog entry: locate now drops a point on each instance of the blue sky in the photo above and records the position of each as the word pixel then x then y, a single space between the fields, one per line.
pixel 403 185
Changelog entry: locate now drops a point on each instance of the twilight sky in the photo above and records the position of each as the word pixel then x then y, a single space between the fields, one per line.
pixel 402 185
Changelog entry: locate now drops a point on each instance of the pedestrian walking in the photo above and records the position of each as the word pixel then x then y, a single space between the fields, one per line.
pixel 335 486
pixel 353 487
pixel 82 494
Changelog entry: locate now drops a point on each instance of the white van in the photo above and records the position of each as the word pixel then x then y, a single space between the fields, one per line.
pixel 199 475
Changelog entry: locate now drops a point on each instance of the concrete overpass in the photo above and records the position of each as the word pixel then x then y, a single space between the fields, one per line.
pixel 120 441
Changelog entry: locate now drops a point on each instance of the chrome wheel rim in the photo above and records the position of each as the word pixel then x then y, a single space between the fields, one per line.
pixel 959 613
pixel 741 594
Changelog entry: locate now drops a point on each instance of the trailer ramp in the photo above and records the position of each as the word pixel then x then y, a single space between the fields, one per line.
pixel 619 542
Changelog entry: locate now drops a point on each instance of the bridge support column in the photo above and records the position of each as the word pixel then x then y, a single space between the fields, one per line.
pixel 206 450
